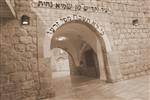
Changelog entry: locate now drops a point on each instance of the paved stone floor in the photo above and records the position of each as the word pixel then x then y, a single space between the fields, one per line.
pixel 83 88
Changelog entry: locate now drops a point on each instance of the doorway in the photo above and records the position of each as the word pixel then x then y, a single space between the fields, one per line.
pixel 85 55
pixel 84 46
pixel 66 76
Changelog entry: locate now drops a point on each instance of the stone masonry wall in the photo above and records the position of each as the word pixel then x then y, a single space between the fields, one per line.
pixel 127 41
pixel 22 73
pixel 131 42
pixel 26 75
pixel 18 61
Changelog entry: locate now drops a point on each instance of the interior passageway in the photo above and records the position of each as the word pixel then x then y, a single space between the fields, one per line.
pixel 63 80
pixel 77 57
pixel 84 47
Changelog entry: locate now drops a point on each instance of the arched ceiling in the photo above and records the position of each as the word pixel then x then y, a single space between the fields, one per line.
pixel 71 37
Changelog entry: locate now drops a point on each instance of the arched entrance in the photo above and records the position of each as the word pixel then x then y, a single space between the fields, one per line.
pixel 76 35
pixel 85 47
pixel 72 33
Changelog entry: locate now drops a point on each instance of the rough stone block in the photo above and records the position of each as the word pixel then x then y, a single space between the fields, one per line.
pixel 3 79
pixel 20 47
pixel 26 39
pixel 6 69
pixel 132 75
pixel 31 47
pixel 125 77
pixel 28 93
pixel 29 75
pixel 28 84
pixel 16 95
pixel 28 55
pixel 21 32
pixel 30 98
pixel 4 97
pixel 10 87
pixel 36 76
pixel 17 77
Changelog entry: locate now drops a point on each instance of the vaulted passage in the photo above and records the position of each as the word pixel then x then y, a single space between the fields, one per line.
pixel 83 48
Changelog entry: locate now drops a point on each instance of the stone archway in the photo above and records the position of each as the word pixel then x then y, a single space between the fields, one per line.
pixel 99 31
pixel 109 70
pixel 75 36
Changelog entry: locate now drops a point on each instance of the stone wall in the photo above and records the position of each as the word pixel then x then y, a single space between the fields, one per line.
pixel 132 42
pixel 128 52
pixel 25 74
pixel 22 72
pixel 18 61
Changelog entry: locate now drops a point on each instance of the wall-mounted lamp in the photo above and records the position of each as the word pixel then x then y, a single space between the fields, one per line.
pixel 25 20
pixel 135 22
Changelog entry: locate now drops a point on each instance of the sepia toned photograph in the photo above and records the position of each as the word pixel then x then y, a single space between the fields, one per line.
pixel 74 49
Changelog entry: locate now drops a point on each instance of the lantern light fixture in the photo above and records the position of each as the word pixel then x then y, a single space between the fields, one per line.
pixel 25 20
